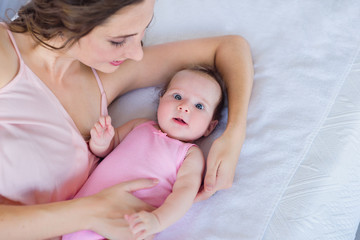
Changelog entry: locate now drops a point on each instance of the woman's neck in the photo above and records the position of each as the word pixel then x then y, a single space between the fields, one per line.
pixel 56 64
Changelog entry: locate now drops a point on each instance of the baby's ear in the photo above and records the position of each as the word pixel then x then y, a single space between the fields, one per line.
pixel 211 127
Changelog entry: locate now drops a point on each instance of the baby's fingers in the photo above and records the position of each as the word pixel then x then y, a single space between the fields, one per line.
pixel 203 195
pixel 141 235
pixel 105 121
pixel 136 224
pixel 110 130
pixel 98 128
pixel 93 132
pixel 132 219
pixel 102 121
pixel 139 230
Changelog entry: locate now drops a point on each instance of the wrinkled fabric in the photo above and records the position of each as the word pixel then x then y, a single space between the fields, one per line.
pixel 43 156
pixel 145 152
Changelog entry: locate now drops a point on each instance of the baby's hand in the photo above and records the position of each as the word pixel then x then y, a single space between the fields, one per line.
pixel 143 224
pixel 102 132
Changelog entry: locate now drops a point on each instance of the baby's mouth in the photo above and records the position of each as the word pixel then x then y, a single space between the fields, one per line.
pixel 180 121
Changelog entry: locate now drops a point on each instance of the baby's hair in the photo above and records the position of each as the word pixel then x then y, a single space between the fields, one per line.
pixel 213 73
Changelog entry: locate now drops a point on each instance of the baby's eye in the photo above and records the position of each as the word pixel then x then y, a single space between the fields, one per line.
pixel 199 106
pixel 177 96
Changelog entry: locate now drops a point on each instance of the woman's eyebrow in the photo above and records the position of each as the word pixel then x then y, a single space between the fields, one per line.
pixel 125 36
pixel 133 34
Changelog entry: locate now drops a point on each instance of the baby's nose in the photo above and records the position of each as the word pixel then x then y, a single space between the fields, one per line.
pixel 183 108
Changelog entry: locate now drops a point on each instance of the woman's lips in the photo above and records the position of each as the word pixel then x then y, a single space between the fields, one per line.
pixel 116 63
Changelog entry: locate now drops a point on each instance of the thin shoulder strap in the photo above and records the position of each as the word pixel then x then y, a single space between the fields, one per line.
pixel 103 104
pixel 14 44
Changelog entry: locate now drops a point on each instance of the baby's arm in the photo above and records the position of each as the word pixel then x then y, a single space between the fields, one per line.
pixel 188 181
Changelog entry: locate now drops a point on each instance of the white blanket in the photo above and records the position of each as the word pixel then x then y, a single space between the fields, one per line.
pixel 303 52
pixel 297 176
pixel 322 199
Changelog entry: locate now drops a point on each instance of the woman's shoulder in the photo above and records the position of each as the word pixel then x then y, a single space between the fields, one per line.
pixel 8 58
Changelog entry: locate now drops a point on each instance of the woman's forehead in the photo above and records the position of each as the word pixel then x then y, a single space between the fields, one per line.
pixel 130 20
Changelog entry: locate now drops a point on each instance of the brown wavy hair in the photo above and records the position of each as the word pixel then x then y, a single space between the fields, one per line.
pixel 72 19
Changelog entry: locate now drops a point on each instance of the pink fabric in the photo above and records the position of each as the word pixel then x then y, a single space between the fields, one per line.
pixel 146 152
pixel 43 157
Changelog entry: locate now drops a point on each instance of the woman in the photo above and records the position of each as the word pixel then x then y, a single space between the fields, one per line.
pixel 61 63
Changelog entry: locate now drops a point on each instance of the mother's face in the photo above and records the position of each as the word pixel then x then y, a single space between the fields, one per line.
pixel 117 40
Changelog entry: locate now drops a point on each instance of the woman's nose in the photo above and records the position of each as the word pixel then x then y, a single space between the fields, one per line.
pixel 183 108
pixel 135 51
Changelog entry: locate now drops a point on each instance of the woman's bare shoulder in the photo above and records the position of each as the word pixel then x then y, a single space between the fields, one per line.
pixel 8 58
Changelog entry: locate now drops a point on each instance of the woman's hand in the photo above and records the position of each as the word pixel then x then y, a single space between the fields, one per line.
pixel 110 205
pixel 233 60
pixel 221 164
pixel 103 213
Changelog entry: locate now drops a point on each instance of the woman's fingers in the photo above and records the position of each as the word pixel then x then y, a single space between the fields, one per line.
pixel 143 183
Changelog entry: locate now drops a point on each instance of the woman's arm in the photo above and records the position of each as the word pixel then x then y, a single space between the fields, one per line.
pixel 232 57
pixel 188 181
pixel 102 213
pixel 224 152
pixel 41 221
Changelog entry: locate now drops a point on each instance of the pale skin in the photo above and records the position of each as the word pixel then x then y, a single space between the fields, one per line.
pixel 185 113
pixel 68 75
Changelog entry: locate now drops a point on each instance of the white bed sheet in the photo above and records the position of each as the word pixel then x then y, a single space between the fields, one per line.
pixel 303 52
pixel 297 176
pixel 322 199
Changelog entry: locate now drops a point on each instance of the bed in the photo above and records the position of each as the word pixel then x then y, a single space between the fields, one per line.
pixel 297 176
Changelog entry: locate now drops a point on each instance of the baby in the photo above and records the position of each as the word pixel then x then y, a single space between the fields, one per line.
pixel 189 108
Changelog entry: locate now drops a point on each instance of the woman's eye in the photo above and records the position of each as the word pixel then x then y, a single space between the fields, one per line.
pixel 117 44
pixel 199 106
pixel 177 96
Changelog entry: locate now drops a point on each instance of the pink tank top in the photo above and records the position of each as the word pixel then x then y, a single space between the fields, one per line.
pixel 43 157
pixel 146 152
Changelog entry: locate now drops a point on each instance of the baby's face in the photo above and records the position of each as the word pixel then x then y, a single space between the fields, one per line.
pixel 186 109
